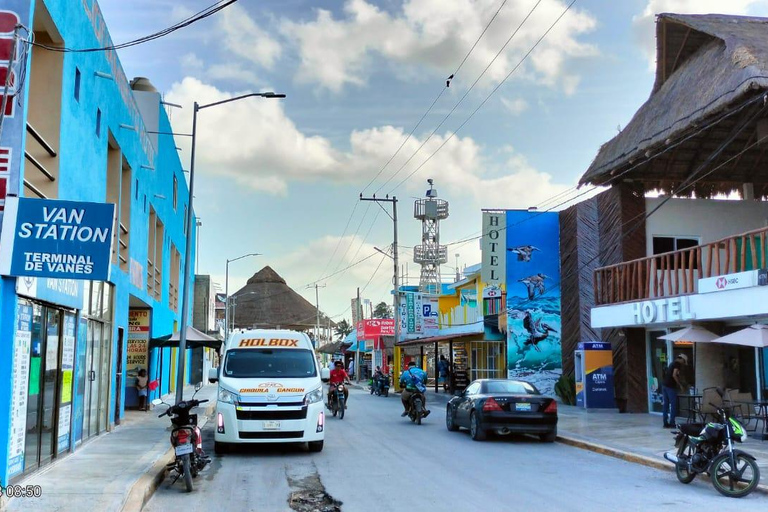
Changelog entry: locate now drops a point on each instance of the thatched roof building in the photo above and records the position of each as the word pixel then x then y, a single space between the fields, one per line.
pixel 711 74
pixel 266 301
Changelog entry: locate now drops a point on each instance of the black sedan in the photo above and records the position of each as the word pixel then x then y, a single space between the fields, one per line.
pixel 504 407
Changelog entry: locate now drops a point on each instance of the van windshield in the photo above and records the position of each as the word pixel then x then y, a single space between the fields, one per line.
pixel 258 363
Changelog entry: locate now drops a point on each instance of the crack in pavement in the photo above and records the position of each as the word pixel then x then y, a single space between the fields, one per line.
pixel 309 494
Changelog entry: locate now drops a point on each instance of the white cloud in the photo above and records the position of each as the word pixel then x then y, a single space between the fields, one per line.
pixel 231 72
pixel 644 24
pixel 191 62
pixel 434 33
pixel 516 106
pixel 243 37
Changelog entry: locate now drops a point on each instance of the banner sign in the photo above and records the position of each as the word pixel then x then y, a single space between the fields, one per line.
pixel 375 328
pixel 494 246
pixel 138 342
pixel 19 390
pixel 53 238
pixel 64 292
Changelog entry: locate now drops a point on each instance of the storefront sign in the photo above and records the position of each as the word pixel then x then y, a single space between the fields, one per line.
pixel 411 314
pixel 728 282
pixel 138 342
pixel 19 388
pixel 59 239
pixel 662 310
pixel 494 246
pixel 64 292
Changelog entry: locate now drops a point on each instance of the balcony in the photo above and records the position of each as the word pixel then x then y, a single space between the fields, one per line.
pixel 678 272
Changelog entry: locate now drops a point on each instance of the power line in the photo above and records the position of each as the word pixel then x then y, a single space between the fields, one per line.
pixel 440 94
pixel 525 57
pixel 201 15
pixel 462 99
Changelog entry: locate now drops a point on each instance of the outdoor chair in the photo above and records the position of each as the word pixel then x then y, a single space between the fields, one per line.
pixel 742 411
pixel 710 401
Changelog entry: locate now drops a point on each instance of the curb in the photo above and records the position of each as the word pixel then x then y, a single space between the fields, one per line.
pixel 144 488
pixel 628 456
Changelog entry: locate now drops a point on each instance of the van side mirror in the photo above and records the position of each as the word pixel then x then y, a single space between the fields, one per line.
pixel 213 375
pixel 325 374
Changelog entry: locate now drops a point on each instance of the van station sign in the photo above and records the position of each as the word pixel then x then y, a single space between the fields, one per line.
pixel 58 239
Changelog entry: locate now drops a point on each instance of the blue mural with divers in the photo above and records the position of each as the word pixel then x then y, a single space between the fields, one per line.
pixel 534 351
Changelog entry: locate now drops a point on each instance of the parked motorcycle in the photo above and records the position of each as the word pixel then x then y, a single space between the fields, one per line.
pixel 708 448
pixel 416 408
pixel 338 401
pixel 186 440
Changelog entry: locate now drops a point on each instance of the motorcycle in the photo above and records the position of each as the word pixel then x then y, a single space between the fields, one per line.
pixel 708 448
pixel 338 402
pixel 380 385
pixel 416 409
pixel 186 440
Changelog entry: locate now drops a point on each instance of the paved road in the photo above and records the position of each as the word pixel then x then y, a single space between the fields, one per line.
pixel 376 461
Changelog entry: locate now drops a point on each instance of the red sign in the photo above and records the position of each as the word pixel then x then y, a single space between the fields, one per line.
pixel 375 328
pixel 721 283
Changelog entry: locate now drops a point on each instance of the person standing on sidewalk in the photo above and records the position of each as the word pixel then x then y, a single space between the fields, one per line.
pixel 672 382
pixel 442 370
pixel 142 381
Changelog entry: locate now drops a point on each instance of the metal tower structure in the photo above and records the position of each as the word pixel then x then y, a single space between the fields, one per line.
pixel 430 254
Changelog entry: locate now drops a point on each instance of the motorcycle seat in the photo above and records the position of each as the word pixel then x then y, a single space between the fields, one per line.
pixel 691 429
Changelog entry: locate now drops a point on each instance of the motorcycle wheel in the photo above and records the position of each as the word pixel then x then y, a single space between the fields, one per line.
pixel 386 393
pixel 186 472
pixel 334 407
pixel 723 480
pixel 681 470
pixel 341 408
pixel 419 410
pixel 372 390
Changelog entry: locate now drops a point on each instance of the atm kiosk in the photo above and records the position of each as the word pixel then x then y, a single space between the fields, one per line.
pixel 593 364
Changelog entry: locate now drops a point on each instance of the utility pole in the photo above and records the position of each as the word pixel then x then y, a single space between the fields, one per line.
pixel 357 352
pixel 396 279
pixel 317 319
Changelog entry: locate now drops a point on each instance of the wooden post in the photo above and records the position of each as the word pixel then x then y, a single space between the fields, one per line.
pixel 676 270
pixel 655 274
pixel 755 263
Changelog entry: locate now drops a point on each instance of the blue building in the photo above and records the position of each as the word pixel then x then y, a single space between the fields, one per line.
pixel 75 129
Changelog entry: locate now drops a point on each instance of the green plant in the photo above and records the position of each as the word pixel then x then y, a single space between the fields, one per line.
pixel 565 388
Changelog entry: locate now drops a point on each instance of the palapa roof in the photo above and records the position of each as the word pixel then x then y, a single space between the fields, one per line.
pixel 708 66
pixel 266 301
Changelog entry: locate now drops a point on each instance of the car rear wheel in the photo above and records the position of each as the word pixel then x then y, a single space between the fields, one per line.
pixel 450 422
pixel 315 446
pixel 475 430
pixel 220 448
pixel 549 437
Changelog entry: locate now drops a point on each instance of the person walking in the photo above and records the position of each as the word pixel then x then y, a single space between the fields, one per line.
pixel 442 371
pixel 673 381
pixel 142 382
pixel 351 368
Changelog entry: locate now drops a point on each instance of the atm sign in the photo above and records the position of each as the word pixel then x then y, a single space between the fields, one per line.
pixel 263 342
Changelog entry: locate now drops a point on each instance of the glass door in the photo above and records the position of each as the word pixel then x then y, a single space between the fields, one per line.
pixel 34 395
pixel 93 360
pixel 50 386
pixel 103 370
pixel 658 360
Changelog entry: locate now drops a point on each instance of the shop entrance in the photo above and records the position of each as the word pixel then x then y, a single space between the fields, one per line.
pixel 660 353
pixel 96 397
pixel 487 361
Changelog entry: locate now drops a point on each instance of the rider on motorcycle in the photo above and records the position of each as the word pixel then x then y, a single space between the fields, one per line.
pixel 408 380
pixel 338 376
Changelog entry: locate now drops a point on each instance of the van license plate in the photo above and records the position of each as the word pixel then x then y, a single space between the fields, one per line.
pixel 523 406
pixel 271 425
pixel 183 449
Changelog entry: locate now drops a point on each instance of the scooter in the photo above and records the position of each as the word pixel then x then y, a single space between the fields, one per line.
pixel 382 385
pixel 186 439
pixel 337 405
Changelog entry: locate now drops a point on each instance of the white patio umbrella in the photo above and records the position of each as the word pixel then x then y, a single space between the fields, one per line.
pixel 755 335
pixel 691 333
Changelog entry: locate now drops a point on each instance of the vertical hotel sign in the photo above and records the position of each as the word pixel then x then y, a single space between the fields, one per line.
pixel 494 246
pixel 12 67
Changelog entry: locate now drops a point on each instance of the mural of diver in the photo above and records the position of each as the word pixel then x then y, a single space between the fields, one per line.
pixel 534 284
pixel 524 252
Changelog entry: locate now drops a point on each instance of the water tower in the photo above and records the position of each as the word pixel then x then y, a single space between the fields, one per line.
pixel 430 254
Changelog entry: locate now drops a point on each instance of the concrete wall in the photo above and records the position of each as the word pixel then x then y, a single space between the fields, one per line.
pixel 706 219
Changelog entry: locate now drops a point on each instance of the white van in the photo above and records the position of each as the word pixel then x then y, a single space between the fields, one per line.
pixel 269 390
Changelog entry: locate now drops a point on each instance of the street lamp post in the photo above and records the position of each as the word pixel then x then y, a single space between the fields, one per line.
pixel 188 248
pixel 226 292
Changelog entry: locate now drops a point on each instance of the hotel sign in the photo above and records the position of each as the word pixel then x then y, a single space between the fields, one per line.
pixel 494 245
pixel 662 311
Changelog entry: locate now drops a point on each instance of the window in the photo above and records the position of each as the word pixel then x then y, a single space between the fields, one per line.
pixel 665 244
pixel 77 84
pixel 287 363
pixel 511 387
pixel 175 192
pixel 98 122
pixel 473 389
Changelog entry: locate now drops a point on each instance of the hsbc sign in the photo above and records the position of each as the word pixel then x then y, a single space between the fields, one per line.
pixel 728 282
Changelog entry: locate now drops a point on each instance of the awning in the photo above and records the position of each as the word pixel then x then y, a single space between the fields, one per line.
pixel 358 346
pixel 692 333
pixel 195 339
pixel 433 339
pixel 332 348
pixel 755 335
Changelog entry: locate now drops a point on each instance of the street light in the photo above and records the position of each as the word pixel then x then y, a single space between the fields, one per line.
pixel 226 292
pixel 188 248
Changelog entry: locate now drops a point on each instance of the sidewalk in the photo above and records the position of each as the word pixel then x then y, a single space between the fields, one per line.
pixel 113 471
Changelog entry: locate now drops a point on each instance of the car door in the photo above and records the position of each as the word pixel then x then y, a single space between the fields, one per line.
pixel 465 405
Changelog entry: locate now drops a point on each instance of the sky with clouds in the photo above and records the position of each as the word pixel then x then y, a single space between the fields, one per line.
pixel 283 177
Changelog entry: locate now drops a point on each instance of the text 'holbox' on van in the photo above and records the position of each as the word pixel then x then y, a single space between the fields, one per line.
pixel 269 390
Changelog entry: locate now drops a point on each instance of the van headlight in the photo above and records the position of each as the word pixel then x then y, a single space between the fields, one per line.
pixel 227 396
pixel 314 396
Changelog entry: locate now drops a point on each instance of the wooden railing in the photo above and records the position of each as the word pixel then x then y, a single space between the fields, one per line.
pixel 678 272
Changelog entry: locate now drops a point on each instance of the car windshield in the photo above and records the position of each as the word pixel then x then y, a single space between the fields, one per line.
pixel 257 363
pixel 513 387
